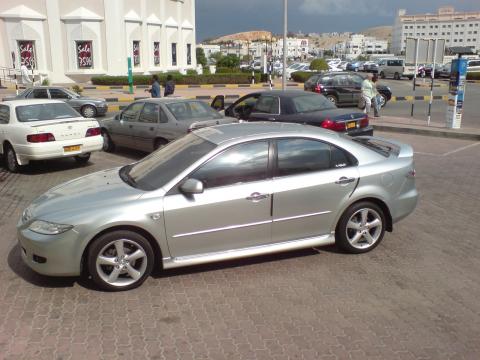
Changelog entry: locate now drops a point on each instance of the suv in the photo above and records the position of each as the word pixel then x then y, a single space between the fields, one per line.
pixel 343 88
pixel 396 68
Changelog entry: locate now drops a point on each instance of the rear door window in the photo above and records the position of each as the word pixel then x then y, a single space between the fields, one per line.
pixel 4 114
pixel 150 113
pixel 268 105
pixel 38 94
pixel 58 94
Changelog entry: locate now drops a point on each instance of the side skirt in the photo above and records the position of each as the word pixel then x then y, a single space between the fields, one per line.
pixel 170 263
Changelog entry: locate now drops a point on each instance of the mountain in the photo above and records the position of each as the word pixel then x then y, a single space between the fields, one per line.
pixel 380 32
pixel 244 36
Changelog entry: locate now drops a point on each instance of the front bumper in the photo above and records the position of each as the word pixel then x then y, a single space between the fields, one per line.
pixel 55 149
pixel 62 253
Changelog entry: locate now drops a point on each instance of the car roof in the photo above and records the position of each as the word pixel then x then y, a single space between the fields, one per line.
pixel 252 130
pixel 21 102
pixel 166 100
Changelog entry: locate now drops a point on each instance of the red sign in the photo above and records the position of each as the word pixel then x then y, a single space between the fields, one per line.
pixel 84 54
pixel 27 53
pixel 136 53
pixel 156 53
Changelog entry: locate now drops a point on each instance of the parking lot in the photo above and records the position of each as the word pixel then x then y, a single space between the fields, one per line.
pixel 414 297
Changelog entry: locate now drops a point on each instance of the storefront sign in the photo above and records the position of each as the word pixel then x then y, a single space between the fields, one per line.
pixel 84 54
pixel 27 53
pixel 156 53
pixel 136 53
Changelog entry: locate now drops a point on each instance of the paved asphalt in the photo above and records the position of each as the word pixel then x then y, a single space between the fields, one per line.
pixel 416 296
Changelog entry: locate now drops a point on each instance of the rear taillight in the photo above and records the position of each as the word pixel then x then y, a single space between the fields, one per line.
pixel 39 138
pixel 333 125
pixel 364 122
pixel 318 88
pixel 93 132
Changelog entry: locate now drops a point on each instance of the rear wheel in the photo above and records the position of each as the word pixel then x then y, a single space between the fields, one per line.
pixel 108 144
pixel 332 99
pixel 11 161
pixel 396 76
pixel 361 228
pixel 88 111
pixel 159 143
pixel 83 159
pixel 382 74
pixel 120 260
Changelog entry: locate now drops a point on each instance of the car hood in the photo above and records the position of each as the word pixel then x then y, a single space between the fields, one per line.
pixel 87 193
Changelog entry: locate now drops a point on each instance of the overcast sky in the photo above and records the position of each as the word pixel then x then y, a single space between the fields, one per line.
pixel 221 17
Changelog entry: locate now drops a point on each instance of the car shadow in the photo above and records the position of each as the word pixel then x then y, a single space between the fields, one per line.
pixel 128 153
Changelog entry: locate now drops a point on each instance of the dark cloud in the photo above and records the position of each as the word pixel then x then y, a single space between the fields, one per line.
pixel 220 17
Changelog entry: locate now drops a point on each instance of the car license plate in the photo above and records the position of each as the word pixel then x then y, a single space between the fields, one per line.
pixel 351 125
pixel 71 148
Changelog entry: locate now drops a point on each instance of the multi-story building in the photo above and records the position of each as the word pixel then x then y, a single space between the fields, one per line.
pixel 68 40
pixel 359 44
pixel 457 28
pixel 209 49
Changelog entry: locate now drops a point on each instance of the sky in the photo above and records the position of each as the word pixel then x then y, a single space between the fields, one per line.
pixel 222 17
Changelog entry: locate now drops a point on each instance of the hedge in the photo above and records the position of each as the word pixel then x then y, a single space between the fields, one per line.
pixel 301 76
pixel 237 78
pixel 473 76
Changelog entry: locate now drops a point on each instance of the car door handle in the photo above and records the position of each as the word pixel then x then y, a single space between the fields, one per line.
pixel 256 196
pixel 344 180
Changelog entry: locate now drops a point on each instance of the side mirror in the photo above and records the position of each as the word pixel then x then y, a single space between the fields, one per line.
pixel 192 186
pixel 218 103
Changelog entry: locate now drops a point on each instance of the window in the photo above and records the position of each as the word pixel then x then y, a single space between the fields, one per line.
pixel 4 114
pixel 341 80
pixel 26 49
pixel 149 113
pixel 309 103
pixel 163 117
pixel 41 112
pixel 38 94
pixel 136 53
pixel 268 104
pixel 131 113
pixel 84 54
pixel 156 53
pixel 192 110
pixel 238 164
pixel 58 94
pixel 301 156
pixel 174 54
pixel 189 54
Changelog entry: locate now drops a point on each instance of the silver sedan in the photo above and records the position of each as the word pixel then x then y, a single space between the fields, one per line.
pixel 221 193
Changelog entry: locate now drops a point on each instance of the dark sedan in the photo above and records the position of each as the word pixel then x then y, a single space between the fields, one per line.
pixel 343 88
pixel 295 106
pixel 87 106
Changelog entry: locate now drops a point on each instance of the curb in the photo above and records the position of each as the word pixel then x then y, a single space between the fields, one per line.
pixel 444 133
pixel 181 86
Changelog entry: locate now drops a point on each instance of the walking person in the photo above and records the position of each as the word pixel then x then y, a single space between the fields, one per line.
pixel 156 89
pixel 375 104
pixel 169 86
pixel 368 92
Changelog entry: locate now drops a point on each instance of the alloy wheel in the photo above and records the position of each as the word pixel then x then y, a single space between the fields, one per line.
pixel 364 228
pixel 88 111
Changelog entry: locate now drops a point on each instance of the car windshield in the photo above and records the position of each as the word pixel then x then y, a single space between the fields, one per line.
pixel 313 102
pixel 192 110
pixel 47 111
pixel 157 169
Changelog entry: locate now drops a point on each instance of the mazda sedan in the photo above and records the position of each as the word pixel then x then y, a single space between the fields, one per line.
pixel 221 193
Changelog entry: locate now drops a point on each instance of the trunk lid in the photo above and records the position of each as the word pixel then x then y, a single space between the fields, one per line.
pixel 64 129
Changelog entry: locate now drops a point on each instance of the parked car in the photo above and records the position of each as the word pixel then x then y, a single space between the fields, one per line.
pixel 43 130
pixel 343 88
pixel 89 107
pixel 295 67
pixel 151 123
pixel 443 71
pixel 355 66
pixel 473 65
pixel 217 194
pixel 296 107
pixel 370 66
pixel 396 68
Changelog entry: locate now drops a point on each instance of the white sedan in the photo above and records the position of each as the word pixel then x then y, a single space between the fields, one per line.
pixel 45 129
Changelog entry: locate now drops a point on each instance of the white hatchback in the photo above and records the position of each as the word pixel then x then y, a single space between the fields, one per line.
pixel 45 129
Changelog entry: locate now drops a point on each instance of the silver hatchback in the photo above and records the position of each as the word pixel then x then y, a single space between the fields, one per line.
pixel 221 193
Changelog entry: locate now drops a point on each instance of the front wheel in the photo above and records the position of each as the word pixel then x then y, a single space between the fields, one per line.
pixel 361 228
pixel 88 111
pixel 11 160
pixel 120 260
pixel 332 99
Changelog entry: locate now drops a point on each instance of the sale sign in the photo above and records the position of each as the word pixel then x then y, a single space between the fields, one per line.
pixel 84 54
pixel 136 53
pixel 156 53
pixel 27 53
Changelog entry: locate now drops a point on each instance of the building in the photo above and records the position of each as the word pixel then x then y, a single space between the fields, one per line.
pixel 68 40
pixel 457 28
pixel 209 49
pixel 359 44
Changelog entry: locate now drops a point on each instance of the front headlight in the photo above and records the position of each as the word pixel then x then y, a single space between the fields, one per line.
pixel 48 228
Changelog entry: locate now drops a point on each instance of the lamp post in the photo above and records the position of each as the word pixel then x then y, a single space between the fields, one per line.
pixel 284 75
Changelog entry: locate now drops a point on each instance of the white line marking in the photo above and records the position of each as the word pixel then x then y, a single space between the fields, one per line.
pixel 461 149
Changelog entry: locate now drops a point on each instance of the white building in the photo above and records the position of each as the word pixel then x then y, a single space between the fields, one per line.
pixel 209 49
pixel 69 40
pixel 457 28
pixel 359 44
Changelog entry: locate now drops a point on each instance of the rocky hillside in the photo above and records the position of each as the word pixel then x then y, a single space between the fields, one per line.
pixel 380 32
pixel 244 36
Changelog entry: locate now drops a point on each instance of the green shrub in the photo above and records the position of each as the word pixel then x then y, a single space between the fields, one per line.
pixel 230 61
pixel 77 89
pixel 191 72
pixel 301 76
pixel 226 70
pixel 45 82
pixel 235 78
pixel 319 65
pixel 473 76
pixel 201 58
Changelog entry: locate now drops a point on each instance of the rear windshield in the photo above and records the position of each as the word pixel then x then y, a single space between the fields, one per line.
pixel 41 112
pixel 192 110
pixel 380 147
pixel 309 103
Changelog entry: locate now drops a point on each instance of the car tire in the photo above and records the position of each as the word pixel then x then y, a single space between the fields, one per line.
pixel 361 228
pixel 120 260
pixel 88 111
pixel 83 159
pixel 332 98
pixel 382 74
pixel 383 102
pixel 11 162
pixel 159 143
pixel 396 76
pixel 108 144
